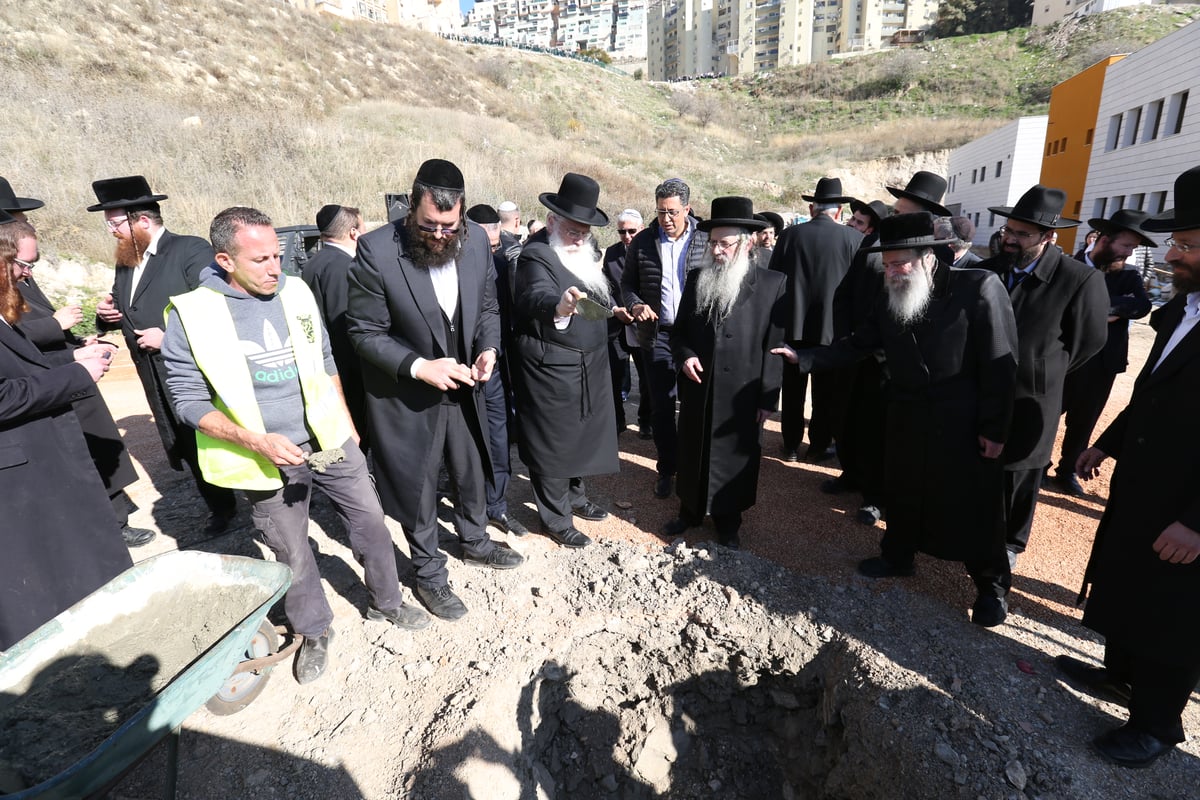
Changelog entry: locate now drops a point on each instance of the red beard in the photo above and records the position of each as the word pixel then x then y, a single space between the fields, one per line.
pixel 129 255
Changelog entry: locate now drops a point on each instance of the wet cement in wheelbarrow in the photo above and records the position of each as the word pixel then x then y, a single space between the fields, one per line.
pixel 70 705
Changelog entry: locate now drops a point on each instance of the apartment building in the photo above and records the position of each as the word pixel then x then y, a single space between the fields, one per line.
pixel 995 170
pixel 615 26
pixel 1148 128
pixel 741 36
pixel 438 16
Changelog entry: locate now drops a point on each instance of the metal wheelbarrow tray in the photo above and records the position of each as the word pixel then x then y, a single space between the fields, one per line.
pixel 84 697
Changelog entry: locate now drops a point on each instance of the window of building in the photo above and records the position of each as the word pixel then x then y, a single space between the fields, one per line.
pixel 1098 207
pixel 1078 208
pixel 1134 120
pixel 1054 147
pixel 1087 141
pixel 1114 132
pixel 1175 113
pixel 1118 202
pixel 992 219
pixel 1153 121
pixel 982 173
pixel 977 219
pixel 1136 201
pixel 1062 148
pixel 999 166
pixel 973 174
pixel 1048 145
pixel 1158 202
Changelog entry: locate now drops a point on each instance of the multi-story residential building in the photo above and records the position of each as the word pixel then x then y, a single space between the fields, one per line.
pixel 737 36
pixel 439 16
pixel 995 170
pixel 1148 128
pixel 1070 134
pixel 1047 12
pixel 616 26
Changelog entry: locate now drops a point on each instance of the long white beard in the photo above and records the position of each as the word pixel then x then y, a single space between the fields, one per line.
pixel 908 296
pixel 581 261
pixel 718 285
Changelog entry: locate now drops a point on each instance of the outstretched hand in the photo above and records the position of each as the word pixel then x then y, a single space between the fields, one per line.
pixel 789 355
pixel 692 369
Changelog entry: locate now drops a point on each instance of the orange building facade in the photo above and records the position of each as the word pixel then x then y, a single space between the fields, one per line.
pixel 1070 133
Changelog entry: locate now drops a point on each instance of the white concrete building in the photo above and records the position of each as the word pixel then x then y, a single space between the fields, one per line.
pixel 615 26
pixel 1047 12
pixel 436 16
pixel 1147 129
pixel 995 170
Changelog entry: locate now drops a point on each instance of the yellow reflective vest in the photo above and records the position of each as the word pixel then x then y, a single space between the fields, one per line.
pixel 218 353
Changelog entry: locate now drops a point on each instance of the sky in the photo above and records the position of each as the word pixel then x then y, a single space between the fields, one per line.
pixel 466 5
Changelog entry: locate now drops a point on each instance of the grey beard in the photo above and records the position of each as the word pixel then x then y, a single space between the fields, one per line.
pixel 908 301
pixel 718 287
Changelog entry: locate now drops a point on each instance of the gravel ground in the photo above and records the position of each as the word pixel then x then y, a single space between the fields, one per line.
pixel 641 667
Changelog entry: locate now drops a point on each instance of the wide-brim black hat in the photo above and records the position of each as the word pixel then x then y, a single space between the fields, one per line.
pixel 1127 219
pixel 1041 206
pixel 829 190
pixel 876 210
pixel 732 212
pixel 10 202
pixel 576 200
pixel 6 218
pixel 926 189
pixel 128 192
pixel 773 219
pixel 1185 216
pixel 906 231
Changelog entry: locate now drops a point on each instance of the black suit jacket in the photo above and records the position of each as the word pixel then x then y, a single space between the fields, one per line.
pixel 173 269
pixel 328 275
pixel 393 318
pixel 1061 311
pixel 815 257
pixel 60 534
pixel 1138 600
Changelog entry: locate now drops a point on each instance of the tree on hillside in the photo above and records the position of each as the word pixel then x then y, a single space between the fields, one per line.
pixel 960 17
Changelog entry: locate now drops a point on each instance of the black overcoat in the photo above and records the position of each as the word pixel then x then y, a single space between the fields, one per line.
pixel 1061 312
pixel 327 273
pixel 952 381
pixel 719 447
pixel 393 318
pixel 99 430
pixel 1138 600
pixel 173 269
pixel 563 385
pixel 59 532
pixel 815 257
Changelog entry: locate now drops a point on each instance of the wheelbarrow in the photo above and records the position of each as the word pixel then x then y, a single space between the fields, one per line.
pixel 89 694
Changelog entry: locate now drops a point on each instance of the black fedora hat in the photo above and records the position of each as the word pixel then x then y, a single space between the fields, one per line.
pixel 576 200
pixel 10 202
pixel 876 210
pixel 905 231
pixel 1186 214
pixel 773 219
pixel 733 212
pixel 829 190
pixel 1127 219
pixel 1041 206
pixel 127 192
pixel 926 189
pixel 6 218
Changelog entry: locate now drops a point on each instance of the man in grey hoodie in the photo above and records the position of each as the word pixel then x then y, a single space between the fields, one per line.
pixel 249 367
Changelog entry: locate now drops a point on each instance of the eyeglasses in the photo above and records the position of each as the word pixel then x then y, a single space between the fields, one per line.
pixel 1007 231
pixel 115 222
pixel 669 212
pixel 721 245
pixel 25 264
pixel 1182 247
pixel 626 232
pixel 575 233
pixel 436 229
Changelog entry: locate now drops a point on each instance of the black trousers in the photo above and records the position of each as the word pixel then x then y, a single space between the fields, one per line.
pixel 862 435
pixel 1160 692
pixel 1085 392
pixel 452 439
pixel 555 497
pixel 661 376
pixel 495 400
pixel 990 573
pixel 823 420
pixel 644 412
pixel 1020 499
pixel 618 365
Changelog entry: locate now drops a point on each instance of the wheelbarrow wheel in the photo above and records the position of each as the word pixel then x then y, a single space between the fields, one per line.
pixel 241 688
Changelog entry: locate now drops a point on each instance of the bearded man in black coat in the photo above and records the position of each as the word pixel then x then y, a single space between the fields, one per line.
pixel 560 362
pixel 730 316
pixel 1061 308
pixel 951 344
pixel 1143 572
pixel 154 265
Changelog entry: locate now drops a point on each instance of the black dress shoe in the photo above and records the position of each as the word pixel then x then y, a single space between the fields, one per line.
pixel 218 523
pixel 136 537
pixel 790 455
pixel 677 526
pixel 410 618
pixel 645 432
pixel 732 541
pixel 441 602
pixel 838 485
pixel 590 511
pixel 571 537
pixel 868 515
pixel 1129 747
pixel 499 557
pixel 989 610
pixel 1094 680
pixel 819 455
pixel 1067 483
pixel 509 525
pixel 313 657
pixel 880 567
pixel 662 487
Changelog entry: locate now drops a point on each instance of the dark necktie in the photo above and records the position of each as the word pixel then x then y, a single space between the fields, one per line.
pixel 1014 279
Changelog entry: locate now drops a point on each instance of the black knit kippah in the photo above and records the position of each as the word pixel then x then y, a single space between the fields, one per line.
pixel 438 173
